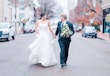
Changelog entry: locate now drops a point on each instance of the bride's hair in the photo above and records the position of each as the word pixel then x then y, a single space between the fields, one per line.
pixel 42 15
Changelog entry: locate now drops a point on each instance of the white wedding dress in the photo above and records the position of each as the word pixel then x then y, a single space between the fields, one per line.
pixel 42 49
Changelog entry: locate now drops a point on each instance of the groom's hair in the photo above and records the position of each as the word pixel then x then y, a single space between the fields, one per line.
pixel 64 16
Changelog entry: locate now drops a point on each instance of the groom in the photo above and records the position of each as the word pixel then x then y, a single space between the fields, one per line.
pixel 64 42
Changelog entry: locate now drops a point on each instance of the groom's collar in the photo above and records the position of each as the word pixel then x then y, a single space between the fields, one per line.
pixel 64 22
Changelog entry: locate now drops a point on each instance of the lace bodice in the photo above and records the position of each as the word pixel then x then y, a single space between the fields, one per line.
pixel 43 27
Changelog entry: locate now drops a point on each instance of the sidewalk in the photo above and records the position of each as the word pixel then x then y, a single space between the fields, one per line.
pixel 104 36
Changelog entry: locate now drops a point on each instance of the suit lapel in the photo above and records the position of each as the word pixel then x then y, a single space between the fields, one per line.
pixel 67 23
pixel 60 24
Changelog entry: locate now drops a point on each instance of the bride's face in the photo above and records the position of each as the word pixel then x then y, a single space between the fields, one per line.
pixel 44 17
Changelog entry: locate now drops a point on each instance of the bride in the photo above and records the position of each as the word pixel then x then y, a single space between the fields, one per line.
pixel 41 49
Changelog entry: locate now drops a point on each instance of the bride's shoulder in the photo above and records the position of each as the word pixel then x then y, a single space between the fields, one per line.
pixel 38 21
pixel 47 21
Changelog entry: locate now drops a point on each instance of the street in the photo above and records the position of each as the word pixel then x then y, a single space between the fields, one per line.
pixel 87 57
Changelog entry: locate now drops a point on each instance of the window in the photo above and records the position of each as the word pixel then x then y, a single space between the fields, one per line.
pixel 21 1
pixel 21 15
pixel 21 8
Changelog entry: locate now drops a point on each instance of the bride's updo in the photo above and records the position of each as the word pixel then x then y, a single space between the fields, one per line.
pixel 42 15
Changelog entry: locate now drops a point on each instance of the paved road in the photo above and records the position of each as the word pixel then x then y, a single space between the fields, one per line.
pixel 88 57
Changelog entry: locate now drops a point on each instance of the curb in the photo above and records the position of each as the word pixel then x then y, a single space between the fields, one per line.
pixel 100 38
pixel 103 39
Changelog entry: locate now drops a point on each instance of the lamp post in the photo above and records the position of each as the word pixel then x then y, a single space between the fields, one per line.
pixel 15 1
pixel 36 6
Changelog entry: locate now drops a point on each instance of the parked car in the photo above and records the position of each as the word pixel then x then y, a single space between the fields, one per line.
pixel 7 31
pixel 89 31
pixel 29 28
pixel 77 28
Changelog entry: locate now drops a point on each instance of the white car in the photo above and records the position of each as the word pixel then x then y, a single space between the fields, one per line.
pixel 7 31
pixel 29 28
pixel 89 31
pixel 77 28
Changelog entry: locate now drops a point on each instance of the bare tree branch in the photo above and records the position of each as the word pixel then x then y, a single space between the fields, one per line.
pixel 50 7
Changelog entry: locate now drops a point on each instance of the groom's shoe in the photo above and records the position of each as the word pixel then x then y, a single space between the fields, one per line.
pixel 63 65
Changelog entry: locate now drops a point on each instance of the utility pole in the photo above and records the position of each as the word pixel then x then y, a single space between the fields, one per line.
pixel 15 15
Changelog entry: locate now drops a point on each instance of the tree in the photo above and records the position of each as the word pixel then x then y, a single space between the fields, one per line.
pixel 50 8
pixel 86 11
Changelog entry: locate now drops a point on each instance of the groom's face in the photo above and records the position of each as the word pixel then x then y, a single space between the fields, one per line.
pixel 62 19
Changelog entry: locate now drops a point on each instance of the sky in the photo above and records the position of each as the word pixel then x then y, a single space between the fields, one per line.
pixel 64 4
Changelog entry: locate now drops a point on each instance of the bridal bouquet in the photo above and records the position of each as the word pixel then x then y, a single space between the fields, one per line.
pixel 65 31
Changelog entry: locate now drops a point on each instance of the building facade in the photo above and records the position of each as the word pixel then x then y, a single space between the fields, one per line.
pixel 106 12
pixel 1 10
pixel 19 9
pixel 105 4
pixel 5 11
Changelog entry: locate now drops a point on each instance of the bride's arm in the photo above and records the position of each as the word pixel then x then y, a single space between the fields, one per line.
pixel 36 27
pixel 50 29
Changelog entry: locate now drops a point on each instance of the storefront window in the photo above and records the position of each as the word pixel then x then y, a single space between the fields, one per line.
pixel 21 15
pixel 106 17
pixel 107 27
pixel 21 1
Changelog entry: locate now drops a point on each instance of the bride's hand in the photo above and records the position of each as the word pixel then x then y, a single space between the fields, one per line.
pixel 54 36
pixel 37 32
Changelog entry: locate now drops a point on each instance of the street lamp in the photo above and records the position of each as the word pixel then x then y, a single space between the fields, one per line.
pixel 15 1
pixel 36 3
